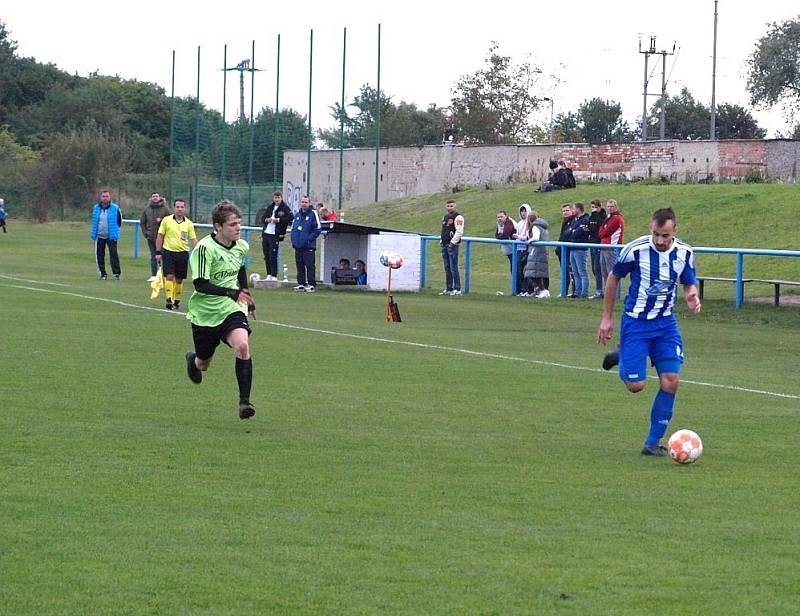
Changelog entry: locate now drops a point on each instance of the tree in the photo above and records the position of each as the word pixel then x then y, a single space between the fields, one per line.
pixel 74 164
pixel 686 118
pixel 601 122
pixel 402 124
pixel 567 128
pixel 774 67
pixel 735 122
pixel 494 104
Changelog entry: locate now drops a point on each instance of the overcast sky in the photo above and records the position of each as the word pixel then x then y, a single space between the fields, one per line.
pixel 425 47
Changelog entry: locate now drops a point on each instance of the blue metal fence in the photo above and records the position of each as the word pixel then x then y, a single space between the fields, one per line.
pixel 566 246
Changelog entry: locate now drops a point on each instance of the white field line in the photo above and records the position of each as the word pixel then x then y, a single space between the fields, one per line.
pixel 419 345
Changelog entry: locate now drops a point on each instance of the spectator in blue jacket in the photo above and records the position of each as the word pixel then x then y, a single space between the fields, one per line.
pixel 3 216
pixel 305 231
pixel 579 233
pixel 106 229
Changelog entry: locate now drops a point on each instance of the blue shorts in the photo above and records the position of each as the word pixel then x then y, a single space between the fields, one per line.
pixel 660 340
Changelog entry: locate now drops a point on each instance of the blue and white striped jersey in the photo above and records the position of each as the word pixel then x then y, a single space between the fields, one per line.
pixel 654 276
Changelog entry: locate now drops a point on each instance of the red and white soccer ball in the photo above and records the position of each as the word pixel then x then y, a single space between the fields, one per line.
pixel 391 259
pixel 685 447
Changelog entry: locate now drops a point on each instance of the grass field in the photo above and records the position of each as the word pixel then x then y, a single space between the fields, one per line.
pixel 472 459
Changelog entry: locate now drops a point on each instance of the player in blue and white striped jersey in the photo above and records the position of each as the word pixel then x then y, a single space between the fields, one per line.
pixel 656 263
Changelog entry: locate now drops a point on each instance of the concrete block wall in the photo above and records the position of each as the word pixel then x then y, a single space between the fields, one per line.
pixel 410 171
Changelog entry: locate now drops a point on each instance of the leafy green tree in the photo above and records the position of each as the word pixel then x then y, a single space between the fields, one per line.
pixel 567 128
pixel 773 68
pixel 73 165
pixel 601 122
pixel 735 122
pixel 401 124
pixel 23 81
pixel 16 164
pixel 685 118
pixel 494 104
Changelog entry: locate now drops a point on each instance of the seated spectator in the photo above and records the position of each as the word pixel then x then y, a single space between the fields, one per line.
pixel 361 272
pixel 344 264
pixel 560 178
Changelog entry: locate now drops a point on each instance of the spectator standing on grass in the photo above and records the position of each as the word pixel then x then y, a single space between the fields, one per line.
pixel 273 220
pixel 106 229
pixel 452 231
pixel 596 219
pixel 221 301
pixel 567 214
pixel 175 233
pixel 3 216
pixel 579 234
pixel 521 250
pixel 537 268
pixel 305 231
pixel 657 264
pixel 611 232
pixel 150 220
pixel 505 231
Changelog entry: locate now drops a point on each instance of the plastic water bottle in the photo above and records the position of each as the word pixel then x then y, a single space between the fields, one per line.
pixel 285 273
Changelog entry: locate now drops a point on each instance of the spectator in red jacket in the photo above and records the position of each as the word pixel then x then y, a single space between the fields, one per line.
pixel 612 231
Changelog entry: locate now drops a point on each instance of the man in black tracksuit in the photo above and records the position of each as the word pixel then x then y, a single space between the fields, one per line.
pixel 273 220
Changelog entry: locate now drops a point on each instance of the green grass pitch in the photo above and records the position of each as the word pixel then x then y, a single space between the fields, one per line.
pixel 472 459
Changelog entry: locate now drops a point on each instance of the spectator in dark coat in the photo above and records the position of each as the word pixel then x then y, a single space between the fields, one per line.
pixel 596 219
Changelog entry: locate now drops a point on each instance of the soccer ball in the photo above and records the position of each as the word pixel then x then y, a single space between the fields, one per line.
pixel 685 447
pixel 254 278
pixel 395 261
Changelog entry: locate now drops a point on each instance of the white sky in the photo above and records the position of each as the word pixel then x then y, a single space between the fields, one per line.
pixel 425 46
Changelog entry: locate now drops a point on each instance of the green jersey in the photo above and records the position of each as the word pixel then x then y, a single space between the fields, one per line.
pixel 220 266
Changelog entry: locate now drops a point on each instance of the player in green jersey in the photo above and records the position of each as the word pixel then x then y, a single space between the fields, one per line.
pixel 219 306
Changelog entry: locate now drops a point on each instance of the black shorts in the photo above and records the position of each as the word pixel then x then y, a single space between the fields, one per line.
pixel 207 339
pixel 175 263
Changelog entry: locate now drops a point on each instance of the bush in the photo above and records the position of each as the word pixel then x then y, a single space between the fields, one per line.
pixel 753 176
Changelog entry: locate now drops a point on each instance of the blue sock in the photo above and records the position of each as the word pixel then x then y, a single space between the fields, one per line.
pixel 660 415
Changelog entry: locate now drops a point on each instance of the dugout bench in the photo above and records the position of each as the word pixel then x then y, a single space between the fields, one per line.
pixel 777 284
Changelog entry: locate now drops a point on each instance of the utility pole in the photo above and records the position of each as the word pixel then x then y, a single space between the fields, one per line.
pixel 662 115
pixel 647 53
pixel 712 131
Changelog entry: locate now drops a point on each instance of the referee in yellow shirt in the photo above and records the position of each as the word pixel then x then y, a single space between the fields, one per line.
pixel 172 251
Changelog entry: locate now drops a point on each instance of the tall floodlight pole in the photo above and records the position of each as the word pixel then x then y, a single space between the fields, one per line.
pixel 197 140
pixel 341 121
pixel 310 136
pixel 712 130
pixel 378 118
pixel 224 123
pixel 252 132
pixel 172 127
pixel 277 117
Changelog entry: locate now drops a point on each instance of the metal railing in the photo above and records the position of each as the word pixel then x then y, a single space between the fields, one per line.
pixel 567 246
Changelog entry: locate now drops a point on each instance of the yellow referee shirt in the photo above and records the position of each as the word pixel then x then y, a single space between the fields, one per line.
pixel 176 234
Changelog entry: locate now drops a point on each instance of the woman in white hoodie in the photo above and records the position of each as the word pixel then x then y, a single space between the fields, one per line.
pixel 522 249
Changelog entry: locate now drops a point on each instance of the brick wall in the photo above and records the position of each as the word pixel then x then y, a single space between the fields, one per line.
pixel 424 170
